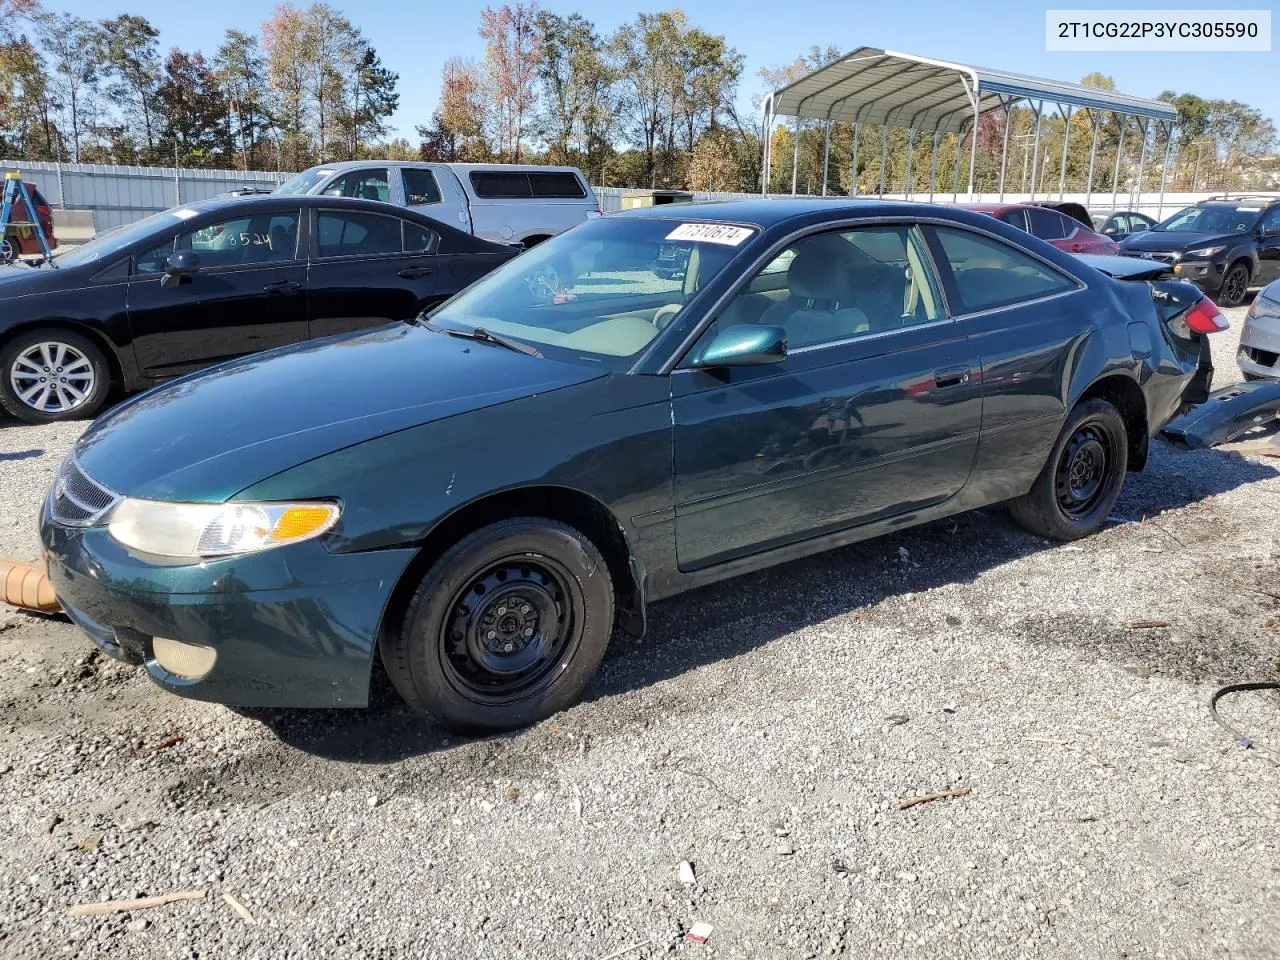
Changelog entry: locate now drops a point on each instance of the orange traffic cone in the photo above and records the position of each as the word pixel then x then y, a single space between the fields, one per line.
pixel 27 585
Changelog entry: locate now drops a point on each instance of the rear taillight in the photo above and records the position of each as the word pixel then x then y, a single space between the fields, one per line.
pixel 1205 317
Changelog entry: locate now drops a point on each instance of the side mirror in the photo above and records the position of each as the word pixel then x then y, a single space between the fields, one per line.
pixel 1264 232
pixel 180 265
pixel 744 345
pixel 333 192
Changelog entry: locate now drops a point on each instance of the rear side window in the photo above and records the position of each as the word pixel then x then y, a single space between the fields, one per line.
pixel 417 239
pixel 351 234
pixel 509 185
pixel 562 185
pixel 988 273
pixel 420 187
pixel 1048 225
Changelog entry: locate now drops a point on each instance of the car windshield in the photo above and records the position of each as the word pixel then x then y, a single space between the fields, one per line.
pixel 603 289
pixel 1212 218
pixel 303 182
pixel 108 243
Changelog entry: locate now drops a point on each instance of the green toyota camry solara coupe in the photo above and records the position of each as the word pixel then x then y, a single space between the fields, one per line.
pixel 481 496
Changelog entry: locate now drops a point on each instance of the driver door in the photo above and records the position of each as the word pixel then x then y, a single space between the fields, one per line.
pixel 1269 247
pixel 250 294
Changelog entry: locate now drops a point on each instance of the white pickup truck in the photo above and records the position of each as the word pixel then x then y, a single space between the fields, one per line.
pixel 496 201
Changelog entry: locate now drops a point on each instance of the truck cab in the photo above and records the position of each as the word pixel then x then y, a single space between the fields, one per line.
pixel 505 203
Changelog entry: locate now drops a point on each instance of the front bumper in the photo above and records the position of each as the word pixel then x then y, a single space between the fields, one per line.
pixel 293 627
pixel 1205 274
pixel 1260 346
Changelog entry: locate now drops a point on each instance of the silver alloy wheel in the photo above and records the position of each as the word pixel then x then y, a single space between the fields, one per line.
pixel 52 377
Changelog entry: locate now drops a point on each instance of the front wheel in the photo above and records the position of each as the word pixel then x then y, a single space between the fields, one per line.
pixel 1081 480
pixel 51 374
pixel 1234 286
pixel 506 628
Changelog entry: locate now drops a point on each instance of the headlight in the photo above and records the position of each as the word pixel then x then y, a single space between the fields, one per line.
pixel 1264 306
pixel 194 530
pixel 1205 252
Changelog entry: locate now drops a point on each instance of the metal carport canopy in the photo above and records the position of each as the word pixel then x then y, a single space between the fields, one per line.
pixel 877 86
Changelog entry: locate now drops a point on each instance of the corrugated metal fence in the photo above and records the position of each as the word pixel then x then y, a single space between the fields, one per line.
pixel 120 194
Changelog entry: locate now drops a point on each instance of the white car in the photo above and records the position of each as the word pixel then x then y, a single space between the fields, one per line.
pixel 1259 355
pixel 496 201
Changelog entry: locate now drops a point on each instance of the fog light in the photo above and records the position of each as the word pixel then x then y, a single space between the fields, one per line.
pixel 191 661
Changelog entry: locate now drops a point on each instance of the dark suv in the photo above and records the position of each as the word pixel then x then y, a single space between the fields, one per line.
pixel 1222 245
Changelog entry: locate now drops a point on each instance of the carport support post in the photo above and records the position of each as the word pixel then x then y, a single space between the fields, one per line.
pixel 1142 162
pixel 884 154
pixel 795 158
pixel 1066 138
pixel 933 163
pixel 1093 152
pixel 973 145
pixel 955 183
pixel 853 163
pixel 1115 177
pixel 826 156
pixel 1035 154
pixel 1004 151
pixel 1164 172
pixel 911 145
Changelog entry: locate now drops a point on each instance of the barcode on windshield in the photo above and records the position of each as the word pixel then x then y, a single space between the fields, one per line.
pixel 710 233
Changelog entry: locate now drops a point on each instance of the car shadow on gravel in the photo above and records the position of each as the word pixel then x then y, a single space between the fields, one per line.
pixel 731 618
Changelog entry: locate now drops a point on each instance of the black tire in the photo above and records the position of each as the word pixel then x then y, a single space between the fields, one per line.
pixel 14 374
pixel 1235 285
pixel 1081 480
pixel 478 670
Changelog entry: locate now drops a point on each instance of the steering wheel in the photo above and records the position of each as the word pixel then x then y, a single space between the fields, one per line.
pixel 544 284
pixel 663 316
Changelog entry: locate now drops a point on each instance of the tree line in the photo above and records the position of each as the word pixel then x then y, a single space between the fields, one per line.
pixel 305 87
pixel 657 102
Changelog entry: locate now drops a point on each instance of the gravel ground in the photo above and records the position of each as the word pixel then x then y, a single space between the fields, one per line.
pixel 765 731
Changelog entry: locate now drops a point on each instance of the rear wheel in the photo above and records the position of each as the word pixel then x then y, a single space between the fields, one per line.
pixel 50 374
pixel 1081 480
pixel 1234 285
pixel 506 628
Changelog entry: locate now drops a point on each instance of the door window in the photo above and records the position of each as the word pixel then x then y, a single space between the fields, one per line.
pixel 417 239
pixel 841 285
pixel 1270 220
pixel 371 184
pixel 989 273
pixel 1015 218
pixel 244 241
pixel 420 186
pixel 1047 225
pixel 352 234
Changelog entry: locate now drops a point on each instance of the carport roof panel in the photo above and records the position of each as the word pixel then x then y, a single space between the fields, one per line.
pixel 883 86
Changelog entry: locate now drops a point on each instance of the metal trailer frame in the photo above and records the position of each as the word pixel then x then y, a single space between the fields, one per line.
pixel 889 89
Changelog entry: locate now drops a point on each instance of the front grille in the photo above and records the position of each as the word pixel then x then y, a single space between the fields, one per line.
pixel 1154 255
pixel 77 500
pixel 1265 357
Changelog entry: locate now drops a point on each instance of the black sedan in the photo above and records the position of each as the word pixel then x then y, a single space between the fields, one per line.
pixel 214 280
pixel 579 433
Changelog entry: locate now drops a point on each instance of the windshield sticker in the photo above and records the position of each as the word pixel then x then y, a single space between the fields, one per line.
pixel 1248 209
pixel 184 214
pixel 710 233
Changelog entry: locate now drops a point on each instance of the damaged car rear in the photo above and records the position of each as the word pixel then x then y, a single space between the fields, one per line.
pixel 584 432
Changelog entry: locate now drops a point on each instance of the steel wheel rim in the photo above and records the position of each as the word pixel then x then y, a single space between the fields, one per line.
pixel 510 629
pixel 1235 284
pixel 52 377
pixel 1085 469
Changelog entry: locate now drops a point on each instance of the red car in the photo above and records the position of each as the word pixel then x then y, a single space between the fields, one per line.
pixel 19 239
pixel 1049 225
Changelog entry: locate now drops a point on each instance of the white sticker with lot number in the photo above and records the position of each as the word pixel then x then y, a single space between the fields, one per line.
pixel 710 233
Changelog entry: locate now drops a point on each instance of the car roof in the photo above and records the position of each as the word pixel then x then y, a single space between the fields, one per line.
pixel 249 201
pixel 767 211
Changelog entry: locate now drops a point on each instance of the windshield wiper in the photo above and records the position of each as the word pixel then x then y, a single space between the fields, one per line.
pixel 480 333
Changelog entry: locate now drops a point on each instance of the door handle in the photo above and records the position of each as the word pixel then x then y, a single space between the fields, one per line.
pixel 951 378
pixel 283 286
pixel 413 273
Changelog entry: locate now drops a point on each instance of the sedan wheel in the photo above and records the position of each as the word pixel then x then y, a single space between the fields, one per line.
pixel 1081 481
pixel 507 627
pixel 52 375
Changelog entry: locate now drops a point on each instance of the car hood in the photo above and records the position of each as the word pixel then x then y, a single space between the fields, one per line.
pixel 209 435
pixel 15 281
pixel 1174 240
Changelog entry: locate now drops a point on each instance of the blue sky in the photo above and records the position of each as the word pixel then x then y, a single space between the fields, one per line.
pixel 415 37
